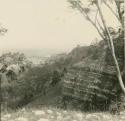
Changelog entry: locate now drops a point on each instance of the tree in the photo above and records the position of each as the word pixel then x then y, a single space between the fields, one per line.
pixel 2 30
pixel 55 78
pixel 100 24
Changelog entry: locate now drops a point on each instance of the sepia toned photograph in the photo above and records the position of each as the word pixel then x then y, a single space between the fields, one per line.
pixel 62 60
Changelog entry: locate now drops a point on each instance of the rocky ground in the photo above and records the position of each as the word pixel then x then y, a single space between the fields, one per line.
pixel 53 114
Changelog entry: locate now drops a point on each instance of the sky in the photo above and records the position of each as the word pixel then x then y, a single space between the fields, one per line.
pixel 49 24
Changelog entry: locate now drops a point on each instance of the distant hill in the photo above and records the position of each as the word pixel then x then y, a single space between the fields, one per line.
pixel 33 52
pixel 34 55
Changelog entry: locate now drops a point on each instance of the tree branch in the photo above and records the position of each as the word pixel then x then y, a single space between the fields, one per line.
pixel 96 16
pixel 117 3
pixel 100 26
pixel 112 11
pixel 79 7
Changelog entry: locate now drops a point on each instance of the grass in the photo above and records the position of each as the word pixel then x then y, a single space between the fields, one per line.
pixel 54 114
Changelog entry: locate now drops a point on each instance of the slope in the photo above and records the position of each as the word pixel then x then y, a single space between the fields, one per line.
pixel 52 97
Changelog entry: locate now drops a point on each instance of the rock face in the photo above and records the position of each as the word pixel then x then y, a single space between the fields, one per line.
pixel 90 87
pixel 83 83
pixel 93 79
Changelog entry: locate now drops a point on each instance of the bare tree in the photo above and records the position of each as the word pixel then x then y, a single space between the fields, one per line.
pixel 100 24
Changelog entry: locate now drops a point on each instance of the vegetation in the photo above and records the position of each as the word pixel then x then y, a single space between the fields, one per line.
pixel 12 67
pixel 2 30
pixel 102 26
pixel 92 79
pixel 54 114
pixel 89 78
pixel 90 66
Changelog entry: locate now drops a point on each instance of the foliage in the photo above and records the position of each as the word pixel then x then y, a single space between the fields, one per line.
pixel 2 30
pixel 10 87
pixel 13 58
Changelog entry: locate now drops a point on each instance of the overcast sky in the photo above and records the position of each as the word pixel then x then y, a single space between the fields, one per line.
pixel 43 24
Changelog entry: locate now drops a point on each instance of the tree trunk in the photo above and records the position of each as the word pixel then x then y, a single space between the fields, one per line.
pixel 119 76
pixel 121 20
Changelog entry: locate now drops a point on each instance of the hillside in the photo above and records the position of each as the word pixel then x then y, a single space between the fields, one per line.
pixel 80 80
pixel 91 76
